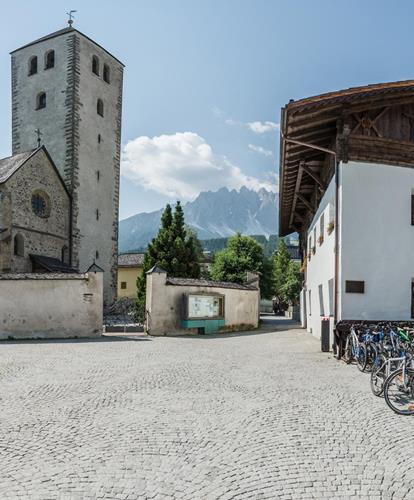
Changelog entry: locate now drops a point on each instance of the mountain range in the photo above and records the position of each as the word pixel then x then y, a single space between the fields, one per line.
pixel 215 214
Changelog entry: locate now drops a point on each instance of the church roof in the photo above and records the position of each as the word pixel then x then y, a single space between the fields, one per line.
pixel 11 164
pixel 51 264
pixel 64 31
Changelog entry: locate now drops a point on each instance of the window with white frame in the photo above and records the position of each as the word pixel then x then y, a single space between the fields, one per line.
pixel 331 296
pixel 321 307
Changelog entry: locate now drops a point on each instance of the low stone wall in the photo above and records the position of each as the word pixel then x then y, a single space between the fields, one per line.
pixel 164 303
pixel 41 306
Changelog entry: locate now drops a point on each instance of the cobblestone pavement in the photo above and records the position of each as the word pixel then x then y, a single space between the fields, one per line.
pixel 232 417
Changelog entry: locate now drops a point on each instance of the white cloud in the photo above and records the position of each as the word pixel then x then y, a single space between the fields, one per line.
pixel 230 121
pixel 260 150
pixel 182 165
pixel 217 112
pixel 263 127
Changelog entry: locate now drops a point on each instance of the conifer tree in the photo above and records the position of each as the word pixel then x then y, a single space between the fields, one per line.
pixel 173 249
pixel 286 276
pixel 281 261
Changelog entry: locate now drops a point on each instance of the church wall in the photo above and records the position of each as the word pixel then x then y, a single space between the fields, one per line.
pixel 5 229
pixel 44 236
pixel 70 126
pixel 50 120
pixel 99 194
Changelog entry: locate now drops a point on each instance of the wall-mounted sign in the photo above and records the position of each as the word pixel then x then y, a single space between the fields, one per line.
pixel 205 306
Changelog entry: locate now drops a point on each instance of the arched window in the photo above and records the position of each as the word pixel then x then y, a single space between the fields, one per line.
pixel 19 245
pixel 41 100
pixel 65 254
pixel 32 65
pixel 95 65
pixel 100 107
pixel 50 59
pixel 106 74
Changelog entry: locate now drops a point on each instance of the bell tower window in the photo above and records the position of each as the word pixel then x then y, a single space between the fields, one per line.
pixel 106 74
pixel 33 65
pixel 100 107
pixel 50 59
pixel 41 100
pixel 95 65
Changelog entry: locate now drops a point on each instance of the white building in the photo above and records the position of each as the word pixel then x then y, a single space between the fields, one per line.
pixel 347 187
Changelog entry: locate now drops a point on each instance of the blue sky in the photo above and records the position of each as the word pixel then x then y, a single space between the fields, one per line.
pixel 205 79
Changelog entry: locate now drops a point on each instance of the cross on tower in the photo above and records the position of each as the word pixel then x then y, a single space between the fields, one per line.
pixel 70 20
pixel 39 137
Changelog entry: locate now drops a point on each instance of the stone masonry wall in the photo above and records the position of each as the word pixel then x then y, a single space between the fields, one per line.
pixel 71 126
pixel 99 164
pixel 44 236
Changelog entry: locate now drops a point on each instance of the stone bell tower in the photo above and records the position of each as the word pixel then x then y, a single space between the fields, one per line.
pixel 70 89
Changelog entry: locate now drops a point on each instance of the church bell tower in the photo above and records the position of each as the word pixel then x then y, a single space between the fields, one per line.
pixel 69 88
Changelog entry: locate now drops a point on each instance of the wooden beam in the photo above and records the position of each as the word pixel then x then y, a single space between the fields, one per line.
pixel 314 176
pixel 305 202
pixel 297 187
pixel 298 216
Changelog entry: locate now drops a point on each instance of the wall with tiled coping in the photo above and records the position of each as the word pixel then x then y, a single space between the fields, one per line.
pixel 42 306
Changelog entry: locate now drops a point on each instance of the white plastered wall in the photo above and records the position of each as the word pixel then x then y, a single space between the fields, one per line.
pixel 321 266
pixel 51 305
pixel 377 240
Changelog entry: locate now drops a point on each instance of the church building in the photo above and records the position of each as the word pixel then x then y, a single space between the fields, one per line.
pixel 34 215
pixel 69 89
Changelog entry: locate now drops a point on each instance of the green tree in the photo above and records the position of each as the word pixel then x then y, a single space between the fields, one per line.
pixel 241 255
pixel 286 276
pixel 174 249
pixel 281 261
pixel 293 284
pixel 266 278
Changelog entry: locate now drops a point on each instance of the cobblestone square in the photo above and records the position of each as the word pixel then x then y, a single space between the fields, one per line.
pixel 249 416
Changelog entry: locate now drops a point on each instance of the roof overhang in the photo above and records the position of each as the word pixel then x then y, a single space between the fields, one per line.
pixel 312 132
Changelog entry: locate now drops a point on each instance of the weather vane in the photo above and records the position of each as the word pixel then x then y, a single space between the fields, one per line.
pixel 39 137
pixel 70 20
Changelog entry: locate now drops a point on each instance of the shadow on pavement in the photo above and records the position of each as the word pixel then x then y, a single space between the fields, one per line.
pixel 104 338
pixel 268 324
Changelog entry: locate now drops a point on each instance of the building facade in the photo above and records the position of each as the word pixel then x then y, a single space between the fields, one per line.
pixel 34 213
pixel 347 187
pixel 69 88
pixel 130 266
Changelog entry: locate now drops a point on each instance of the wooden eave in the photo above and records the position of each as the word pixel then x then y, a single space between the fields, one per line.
pixel 319 121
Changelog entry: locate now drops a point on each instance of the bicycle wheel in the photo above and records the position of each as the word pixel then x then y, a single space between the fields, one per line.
pixel 372 353
pixel 378 375
pixel 361 357
pixel 399 391
pixel 347 355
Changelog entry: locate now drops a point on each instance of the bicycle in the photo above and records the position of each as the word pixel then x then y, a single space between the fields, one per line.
pixel 355 350
pixel 399 388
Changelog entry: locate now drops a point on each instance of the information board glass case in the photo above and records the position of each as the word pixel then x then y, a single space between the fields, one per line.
pixel 205 306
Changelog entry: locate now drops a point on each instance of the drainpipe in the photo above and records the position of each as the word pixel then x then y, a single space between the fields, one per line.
pixel 333 153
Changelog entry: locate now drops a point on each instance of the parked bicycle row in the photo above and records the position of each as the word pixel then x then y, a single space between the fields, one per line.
pixel 386 351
